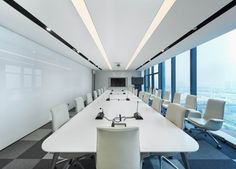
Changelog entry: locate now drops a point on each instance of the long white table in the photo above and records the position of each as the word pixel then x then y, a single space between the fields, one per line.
pixel 157 134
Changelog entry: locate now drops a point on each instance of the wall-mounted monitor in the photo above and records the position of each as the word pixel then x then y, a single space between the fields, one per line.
pixel 137 80
pixel 117 82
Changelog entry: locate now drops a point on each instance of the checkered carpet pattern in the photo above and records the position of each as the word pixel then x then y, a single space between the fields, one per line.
pixel 28 154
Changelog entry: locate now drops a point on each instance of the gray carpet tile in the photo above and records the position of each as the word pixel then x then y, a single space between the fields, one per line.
pixel 37 135
pixel 50 156
pixel 206 151
pixel 212 164
pixel 43 164
pixel 4 162
pixel 16 149
pixel 34 152
pixel 22 164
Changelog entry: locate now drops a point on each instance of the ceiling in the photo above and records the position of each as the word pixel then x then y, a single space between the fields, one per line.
pixel 121 25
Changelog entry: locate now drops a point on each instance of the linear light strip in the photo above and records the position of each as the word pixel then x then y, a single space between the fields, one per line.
pixel 165 7
pixel 82 10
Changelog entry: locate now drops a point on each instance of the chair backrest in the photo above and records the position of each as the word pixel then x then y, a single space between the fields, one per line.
pixel 177 97
pixel 136 92
pixel 146 97
pixel 191 102
pixel 102 91
pixel 154 91
pixel 99 92
pixel 150 90
pixel 158 93
pixel 79 104
pixel 166 95
pixel 60 115
pixel 89 98
pixel 118 148
pixel 141 95
pixel 176 114
pixel 214 109
pixel 156 104
pixel 95 94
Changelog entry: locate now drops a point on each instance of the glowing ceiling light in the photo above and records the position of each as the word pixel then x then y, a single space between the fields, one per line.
pixel 82 10
pixel 165 7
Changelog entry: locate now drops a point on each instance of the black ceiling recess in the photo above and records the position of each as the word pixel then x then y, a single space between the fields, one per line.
pixel 202 24
pixel 31 17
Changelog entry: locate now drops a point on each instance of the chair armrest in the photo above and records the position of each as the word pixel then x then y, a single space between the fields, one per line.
pixel 195 114
pixel 166 101
pixel 214 124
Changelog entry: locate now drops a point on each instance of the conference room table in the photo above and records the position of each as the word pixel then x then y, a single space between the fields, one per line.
pixel 157 134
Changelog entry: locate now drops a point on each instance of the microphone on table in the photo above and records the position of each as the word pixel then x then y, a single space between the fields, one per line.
pixel 108 99
pixel 137 115
pixel 100 115
pixel 127 98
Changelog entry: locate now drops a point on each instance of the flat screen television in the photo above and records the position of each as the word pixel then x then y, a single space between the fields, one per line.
pixel 118 82
pixel 137 80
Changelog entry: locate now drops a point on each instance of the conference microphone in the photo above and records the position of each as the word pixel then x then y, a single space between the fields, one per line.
pixel 108 99
pixel 137 115
pixel 127 98
pixel 100 115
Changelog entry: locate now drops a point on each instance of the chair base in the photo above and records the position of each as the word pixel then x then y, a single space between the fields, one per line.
pixel 209 134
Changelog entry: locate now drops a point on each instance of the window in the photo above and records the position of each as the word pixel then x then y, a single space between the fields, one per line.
pixel 168 75
pixel 183 75
pixel 216 76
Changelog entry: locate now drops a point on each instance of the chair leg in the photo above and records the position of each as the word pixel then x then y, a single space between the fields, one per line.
pixel 54 160
pixel 218 144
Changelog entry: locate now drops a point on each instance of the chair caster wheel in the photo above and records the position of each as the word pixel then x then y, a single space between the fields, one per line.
pixel 219 146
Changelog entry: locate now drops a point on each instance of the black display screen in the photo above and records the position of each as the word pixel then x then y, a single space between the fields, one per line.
pixel 118 82
pixel 137 80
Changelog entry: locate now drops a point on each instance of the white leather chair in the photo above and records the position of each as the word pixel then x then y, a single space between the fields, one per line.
pixel 176 100
pixel 141 93
pixel 166 95
pixel 99 92
pixel 175 114
pixel 136 92
pixel 191 104
pixel 79 104
pixel 118 148
pixel 60 115
pixel 212 119
pixel 156 104
pixel 146 97
pixel 158 93
pixel 95 94
pixel 102 91
pixel 89 98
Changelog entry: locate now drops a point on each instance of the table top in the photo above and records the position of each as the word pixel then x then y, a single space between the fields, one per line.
pixel 157 134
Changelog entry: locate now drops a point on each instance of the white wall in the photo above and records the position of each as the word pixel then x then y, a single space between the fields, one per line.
pixel 102 77
pixel 32 80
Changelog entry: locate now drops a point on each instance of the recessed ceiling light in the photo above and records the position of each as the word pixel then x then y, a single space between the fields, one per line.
pixel 165 7
pixel 48 29
pixel 82 10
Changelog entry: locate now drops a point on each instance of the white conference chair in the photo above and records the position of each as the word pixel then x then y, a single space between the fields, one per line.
pixel 141 93
pixel 166 95
pixel 146 97
pixel 60 115
pixel 89 98
pixel 102 91
pixel 158 93
pixel 176 100
pixel 95 94
pixel 175 114
pixel 118 148
pixel 99 92
pixel 156 104
pixel 136 92
pixel 191 103
pixel 79 104
pixel 212 119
